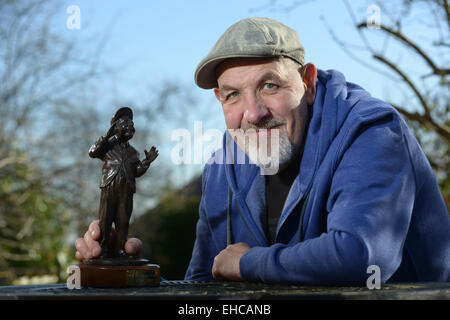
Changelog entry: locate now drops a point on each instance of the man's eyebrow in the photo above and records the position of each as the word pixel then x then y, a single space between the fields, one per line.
pixel 270 76
pixel 225 88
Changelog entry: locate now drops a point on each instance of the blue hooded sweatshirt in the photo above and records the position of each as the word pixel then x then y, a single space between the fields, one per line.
pixel 365 195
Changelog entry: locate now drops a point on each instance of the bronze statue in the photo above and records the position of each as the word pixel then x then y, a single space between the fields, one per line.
pixel 121 167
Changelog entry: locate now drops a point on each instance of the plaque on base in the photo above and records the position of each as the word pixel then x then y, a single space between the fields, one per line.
pixel 117 273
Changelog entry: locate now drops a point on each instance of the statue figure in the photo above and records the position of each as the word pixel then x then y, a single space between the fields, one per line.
pixel 121 167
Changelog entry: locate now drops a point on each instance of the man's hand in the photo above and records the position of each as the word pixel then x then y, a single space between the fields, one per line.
pixel 226 263
pixel 151 155
pixel 88 247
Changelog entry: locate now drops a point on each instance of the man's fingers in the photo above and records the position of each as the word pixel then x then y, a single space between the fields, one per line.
pixel 226 263
pixel 82 250
pixel 88 246
pixel 92 245
pixel 94 229
pixel 217 275
pixel 79 256
pixel 133 247
pixel 215 269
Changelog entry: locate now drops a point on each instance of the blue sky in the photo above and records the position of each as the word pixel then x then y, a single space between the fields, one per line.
pixel 166 39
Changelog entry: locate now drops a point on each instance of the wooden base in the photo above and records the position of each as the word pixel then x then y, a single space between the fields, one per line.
pixel 114 276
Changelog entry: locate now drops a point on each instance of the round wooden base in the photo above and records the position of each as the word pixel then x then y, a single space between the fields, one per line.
pixel 108 276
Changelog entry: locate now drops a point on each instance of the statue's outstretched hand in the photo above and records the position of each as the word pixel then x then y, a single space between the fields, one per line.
pixel 151 155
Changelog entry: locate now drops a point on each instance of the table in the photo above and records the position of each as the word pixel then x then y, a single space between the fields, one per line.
pixel 200 290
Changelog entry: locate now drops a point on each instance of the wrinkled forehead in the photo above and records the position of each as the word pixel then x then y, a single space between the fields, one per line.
pixel 239 62
pixel 281 66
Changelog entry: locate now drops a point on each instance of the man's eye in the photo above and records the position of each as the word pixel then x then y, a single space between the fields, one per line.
pixel 270 86
pixel 234 94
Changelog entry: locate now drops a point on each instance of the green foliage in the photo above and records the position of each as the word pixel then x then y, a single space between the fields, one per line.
pixel 32 223
pixel 168 233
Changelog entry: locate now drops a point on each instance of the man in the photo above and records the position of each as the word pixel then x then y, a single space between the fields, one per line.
pixel 121 165
pixel 353 187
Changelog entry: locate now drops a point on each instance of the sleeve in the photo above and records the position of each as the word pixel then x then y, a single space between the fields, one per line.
pixel 98 149
pixel 369 210
pixel 204 249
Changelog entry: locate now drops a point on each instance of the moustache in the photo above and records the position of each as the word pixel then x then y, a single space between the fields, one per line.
pixel 264 124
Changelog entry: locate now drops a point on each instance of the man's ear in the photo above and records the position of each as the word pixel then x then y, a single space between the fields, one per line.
pixel 216 92
pixel 309 76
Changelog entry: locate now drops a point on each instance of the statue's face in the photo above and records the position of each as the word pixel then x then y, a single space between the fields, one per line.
pixel 127 126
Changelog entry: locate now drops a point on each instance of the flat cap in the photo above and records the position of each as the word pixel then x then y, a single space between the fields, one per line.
pixel 124 111
pixel 250 37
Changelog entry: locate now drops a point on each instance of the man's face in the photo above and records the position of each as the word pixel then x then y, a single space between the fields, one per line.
pixel 261 93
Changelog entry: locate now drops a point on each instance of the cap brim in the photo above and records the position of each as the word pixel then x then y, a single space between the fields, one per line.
pixel 205 75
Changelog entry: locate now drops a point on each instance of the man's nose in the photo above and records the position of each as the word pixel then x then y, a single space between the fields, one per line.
pixel 255 110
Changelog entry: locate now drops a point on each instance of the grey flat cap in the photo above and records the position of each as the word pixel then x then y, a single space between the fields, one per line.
pixel 250 37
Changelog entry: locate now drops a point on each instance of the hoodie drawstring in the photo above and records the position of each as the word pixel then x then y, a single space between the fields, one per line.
pixel 302 215
pixel 229 241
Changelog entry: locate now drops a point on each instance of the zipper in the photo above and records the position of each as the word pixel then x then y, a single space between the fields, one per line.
pixel 229 211
pixel 302 216
pixel 229 240
pixel 246 225
pixel 302 213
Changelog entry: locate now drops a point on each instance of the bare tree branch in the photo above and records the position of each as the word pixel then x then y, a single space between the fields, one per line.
pixel 398 35
pixel 442 130
pixel 345 47
pixel 447 11
pixel 408 82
